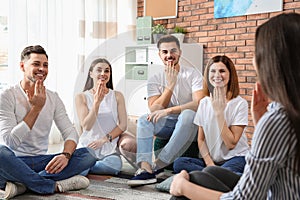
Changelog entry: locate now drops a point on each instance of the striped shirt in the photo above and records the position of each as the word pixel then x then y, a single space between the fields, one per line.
pixel 269 172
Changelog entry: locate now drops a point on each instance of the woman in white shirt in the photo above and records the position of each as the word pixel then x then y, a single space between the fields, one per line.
pixel 103 118
pixel 221 117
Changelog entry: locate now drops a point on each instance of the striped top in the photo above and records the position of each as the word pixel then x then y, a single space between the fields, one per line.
pixel 269 172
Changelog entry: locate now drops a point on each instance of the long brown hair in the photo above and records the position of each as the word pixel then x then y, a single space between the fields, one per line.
pixel 233 89
pixel 277 58
pixel 89 84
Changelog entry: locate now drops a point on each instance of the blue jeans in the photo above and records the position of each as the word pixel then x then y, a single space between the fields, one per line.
pixel 181 132
pixel 29 170
pixel 235 164
pixel 109 165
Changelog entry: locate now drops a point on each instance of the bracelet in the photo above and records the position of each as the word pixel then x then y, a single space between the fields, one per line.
pixel 68 155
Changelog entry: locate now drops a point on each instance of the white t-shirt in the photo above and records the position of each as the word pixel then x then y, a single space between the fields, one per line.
pixel 107 120
pixel 189 80
pixel 236 113
pixel 16 134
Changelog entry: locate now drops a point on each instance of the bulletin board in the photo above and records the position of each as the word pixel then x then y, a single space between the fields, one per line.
pixel 161 9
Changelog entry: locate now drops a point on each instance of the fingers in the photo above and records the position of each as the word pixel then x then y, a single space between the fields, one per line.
pixel 155 116
pixel 57 164
pixel 39 87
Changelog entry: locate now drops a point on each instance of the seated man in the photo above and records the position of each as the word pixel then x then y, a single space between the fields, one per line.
pixel 27 111
pixel 173 98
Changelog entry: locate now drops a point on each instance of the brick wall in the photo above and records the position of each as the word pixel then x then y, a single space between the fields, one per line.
pixel 232 36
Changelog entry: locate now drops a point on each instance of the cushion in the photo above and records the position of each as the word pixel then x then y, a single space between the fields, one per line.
pixel 165 185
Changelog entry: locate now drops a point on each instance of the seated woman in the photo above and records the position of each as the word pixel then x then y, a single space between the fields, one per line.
pixel 102 115
pixel 272 168
pixel 222 117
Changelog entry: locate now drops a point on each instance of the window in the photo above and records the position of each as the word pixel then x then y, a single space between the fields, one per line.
pixel 3 43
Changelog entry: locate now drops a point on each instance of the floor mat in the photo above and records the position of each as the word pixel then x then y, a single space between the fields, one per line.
pixel 102 188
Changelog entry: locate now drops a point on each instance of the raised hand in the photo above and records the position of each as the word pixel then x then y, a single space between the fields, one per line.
pixel 171 74
pixel 100 92
pixel 38 99
pixel 259 103
pixel 219 100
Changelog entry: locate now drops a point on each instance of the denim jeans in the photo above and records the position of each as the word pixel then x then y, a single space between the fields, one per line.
pixel 109 165
pixel 29 170
pixel 181 132
pixel 235 164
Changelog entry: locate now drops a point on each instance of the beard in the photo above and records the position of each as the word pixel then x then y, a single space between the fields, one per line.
pixel 31 78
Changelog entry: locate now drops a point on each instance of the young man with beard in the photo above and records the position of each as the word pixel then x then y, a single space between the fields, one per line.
pixel 27 111
pixel 173 98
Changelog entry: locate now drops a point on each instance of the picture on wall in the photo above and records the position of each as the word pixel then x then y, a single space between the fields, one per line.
pixel 161 9
pixel 231 8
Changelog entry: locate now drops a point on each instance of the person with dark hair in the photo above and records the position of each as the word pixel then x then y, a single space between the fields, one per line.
pixel 221 118
pixel 173 98
pixel 103 118
pixel 27 111
pixel 272 169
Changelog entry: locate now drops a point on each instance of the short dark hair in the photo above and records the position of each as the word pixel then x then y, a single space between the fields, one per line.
pixel 167 39
pixel 32 49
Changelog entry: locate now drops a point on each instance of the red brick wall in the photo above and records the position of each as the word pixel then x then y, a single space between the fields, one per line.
pixel 233 36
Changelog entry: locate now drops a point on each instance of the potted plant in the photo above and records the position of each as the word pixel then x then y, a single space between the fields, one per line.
pixel 179 32
pixel 157 31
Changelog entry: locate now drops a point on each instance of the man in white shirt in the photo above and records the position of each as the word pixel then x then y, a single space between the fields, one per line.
pixel 173 98
pixel 27 111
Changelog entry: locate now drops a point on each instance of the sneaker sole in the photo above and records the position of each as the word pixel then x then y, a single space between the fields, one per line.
pixel 133 183
pixel 9 193
pixel 12 190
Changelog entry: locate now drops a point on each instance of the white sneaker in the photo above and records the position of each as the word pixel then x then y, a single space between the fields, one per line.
pixel 13 189
pixel 74 183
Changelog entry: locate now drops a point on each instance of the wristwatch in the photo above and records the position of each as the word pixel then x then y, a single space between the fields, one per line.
pixel 68 155
pixel 109 137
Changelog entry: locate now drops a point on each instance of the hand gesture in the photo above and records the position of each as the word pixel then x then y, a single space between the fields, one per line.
pixel 259 103
pixel 100 92
pixel 57 164
pixel 171 74
pixel 38 99
pixel 178 182
pixel 219 100
pixel 156 115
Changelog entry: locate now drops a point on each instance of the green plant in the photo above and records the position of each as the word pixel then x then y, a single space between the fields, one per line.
pixel 178 29
pixel 159 29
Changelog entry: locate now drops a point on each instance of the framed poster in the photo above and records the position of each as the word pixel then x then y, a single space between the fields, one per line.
pixel 231 8
pixel 161 9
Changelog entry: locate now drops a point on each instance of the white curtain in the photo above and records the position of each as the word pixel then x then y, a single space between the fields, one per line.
pixel 104 33
pixel 73 32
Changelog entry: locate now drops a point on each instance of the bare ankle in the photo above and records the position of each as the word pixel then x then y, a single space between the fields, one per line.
pixel 146 166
